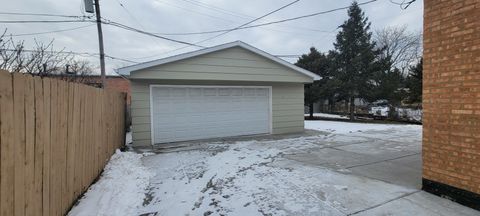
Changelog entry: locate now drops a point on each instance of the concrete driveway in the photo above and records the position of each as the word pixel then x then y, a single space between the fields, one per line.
pixel 335 169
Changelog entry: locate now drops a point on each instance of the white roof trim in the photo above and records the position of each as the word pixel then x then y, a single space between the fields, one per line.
pixel 126 70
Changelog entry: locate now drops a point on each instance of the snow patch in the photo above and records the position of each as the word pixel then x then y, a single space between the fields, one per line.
pixel 120 190
pixel 410 114
pixel 327 115
pixel 128 138
pixel 347 127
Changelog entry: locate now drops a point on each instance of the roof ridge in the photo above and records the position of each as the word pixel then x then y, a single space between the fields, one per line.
pixel 126 70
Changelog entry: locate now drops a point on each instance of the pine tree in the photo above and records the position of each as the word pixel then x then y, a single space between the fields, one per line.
pixel 315 62
pixel 388 81
pixel 414 83
pixel 355 57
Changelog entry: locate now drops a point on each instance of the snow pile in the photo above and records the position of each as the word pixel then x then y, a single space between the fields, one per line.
pixel 347 127
pixel 128 138
pixel 120 190
pixel 410 114
pixel 327 115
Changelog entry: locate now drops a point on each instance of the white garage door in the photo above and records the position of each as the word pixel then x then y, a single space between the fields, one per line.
pixel 182 113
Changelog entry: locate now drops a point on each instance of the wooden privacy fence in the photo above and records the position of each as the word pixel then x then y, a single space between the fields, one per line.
pixel 55 139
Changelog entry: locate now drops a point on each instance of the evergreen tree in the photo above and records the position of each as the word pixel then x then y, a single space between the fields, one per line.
pixel 315 62
pixel 414 83
pixel 389 82
pixel 355 57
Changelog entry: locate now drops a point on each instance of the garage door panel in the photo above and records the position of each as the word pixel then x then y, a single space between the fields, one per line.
pixel 188 113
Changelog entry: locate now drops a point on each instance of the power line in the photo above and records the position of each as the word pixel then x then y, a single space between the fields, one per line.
pixel 75 18
pixel 131 15
pixel 258 18
pixel 48 32
pixel 194 11
pixel 258 25
pixel 90 54
pixel 223 11
pixel 230 30
pixel 223 31
pixel 119 25
pixel 135 19
pixel 244 16
pixel 69 52
pixel 121 59
pixel 43 21
pixel 267 23
pixel 105 22
pixel 43 14
pixel 310 15
pixel 51 51
pixel 404 4
pixel 218 9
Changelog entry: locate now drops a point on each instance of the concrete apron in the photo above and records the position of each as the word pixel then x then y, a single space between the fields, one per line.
pixel 393 159
pixel 368 157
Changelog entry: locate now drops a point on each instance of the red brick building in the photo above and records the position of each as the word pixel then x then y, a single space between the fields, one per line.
pixel 451 100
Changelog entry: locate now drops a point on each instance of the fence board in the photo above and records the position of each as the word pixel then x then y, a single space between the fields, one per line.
pixel 29 145
pixel 76 143
pixel 78 147
pixel 88 149
pixel 62 155
pixel 46 147
pixel 84 127
pixel 70 143
pixel 6 145
pixel 19 142
pixel 54 159
pixel 98 160
pixel 40 125
pixel 95 134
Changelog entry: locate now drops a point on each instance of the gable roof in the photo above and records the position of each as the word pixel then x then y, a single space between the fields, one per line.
pixel 127 70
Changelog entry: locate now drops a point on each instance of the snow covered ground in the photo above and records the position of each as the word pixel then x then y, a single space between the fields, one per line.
pixel 284 176
pixel 327 115
pixel 120 190
pixel 350 127
pixel 327 173
pixel 251 178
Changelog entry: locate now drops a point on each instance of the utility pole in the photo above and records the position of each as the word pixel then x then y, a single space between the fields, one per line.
pixel 100 42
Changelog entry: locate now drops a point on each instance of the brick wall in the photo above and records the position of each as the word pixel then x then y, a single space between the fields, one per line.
pixel 451 93
pixel 119 84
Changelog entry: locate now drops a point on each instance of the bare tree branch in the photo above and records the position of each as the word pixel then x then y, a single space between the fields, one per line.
pixel 403 47
pixel 42 60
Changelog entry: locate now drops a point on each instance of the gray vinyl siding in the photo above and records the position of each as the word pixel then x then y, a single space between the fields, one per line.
pixel 287 105
pixel 140 108
pixel 229 64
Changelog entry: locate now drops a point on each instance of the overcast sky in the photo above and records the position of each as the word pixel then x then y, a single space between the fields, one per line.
pixel 179 16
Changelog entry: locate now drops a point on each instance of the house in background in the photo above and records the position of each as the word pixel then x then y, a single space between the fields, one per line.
pixel 451 100
pixel 228 90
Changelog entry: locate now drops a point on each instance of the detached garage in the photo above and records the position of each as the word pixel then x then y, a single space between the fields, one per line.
pixel 228 90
